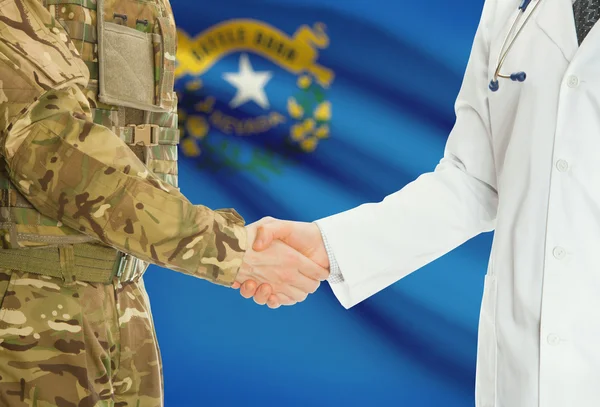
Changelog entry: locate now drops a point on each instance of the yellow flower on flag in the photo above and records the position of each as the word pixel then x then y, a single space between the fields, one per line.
pixel 323 111
pixel 309 124
pixel 197 126
pixel 193 85
pixel 304 81
pixel 294 109
pixel 322 132
pixel 297 132
pixel 206 106
pixel 190 148
pixel 309 145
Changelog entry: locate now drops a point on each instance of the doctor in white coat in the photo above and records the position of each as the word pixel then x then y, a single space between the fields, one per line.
pixel 523 160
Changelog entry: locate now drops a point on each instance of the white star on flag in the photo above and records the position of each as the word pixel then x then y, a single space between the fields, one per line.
pixel 250 85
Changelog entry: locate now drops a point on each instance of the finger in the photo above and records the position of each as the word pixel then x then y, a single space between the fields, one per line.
pixel 248 289
pixel 268 232
pixel 266 219
pixel 236 285
pixel 285 300
pixel 311 269
pixel 262 294
pixel 303 283
pixel 294 293
pixel 273 302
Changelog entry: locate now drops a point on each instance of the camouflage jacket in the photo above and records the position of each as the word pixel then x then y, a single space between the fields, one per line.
pixel 79 173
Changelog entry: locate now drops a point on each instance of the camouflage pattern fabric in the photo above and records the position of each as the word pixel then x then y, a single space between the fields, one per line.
pixel 81 346
pixel 82 175
pixel 68 175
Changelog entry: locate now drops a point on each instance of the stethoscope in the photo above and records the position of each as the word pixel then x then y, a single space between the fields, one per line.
pixel 507 45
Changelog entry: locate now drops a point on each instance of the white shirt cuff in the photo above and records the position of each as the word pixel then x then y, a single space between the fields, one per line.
pixel 335 274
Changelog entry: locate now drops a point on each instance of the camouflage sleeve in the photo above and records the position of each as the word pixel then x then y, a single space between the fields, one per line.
pixel 81 173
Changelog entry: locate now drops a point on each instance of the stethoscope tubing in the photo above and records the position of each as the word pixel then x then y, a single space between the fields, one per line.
pixel 508 43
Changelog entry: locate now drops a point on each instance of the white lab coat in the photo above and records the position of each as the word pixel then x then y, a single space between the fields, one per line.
pixel 525 161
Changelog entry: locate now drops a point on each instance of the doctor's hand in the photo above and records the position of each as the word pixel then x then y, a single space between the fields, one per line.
pixel 301 236
pixel 289 275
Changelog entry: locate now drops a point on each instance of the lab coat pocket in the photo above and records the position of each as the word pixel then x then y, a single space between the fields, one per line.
pixel 485 382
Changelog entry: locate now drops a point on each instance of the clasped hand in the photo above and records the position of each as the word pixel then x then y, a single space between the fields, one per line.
pixel 284 262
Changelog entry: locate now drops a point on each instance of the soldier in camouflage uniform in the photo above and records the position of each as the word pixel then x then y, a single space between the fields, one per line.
pixel 89 197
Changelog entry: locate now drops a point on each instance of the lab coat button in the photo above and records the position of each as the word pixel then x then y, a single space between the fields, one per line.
pixel 553 339
pixel 559 253
pixel 562 165
pixel 573 81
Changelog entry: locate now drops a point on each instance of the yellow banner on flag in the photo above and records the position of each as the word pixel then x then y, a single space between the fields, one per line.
pixel 296 54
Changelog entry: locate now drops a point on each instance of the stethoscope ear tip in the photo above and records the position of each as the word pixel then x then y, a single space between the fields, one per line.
pixel 494 85
pixel 518 76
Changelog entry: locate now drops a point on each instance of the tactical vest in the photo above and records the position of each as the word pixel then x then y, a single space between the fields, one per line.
pixel 129 48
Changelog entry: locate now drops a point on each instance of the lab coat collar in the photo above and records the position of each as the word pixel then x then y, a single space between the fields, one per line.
pixel 555 18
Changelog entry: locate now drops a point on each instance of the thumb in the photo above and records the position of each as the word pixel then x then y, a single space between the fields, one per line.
pixel 266 233
pixel 264 237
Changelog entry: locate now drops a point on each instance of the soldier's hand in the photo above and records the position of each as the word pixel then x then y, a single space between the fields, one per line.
pixel 288 275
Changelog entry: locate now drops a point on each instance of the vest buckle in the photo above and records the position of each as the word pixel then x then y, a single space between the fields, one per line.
pixel 119 264
pixel 146 134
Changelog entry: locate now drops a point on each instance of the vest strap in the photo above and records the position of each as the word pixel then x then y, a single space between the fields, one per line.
pixel 89 263
pixel 147 134
pixel 89 4
pixel 66 255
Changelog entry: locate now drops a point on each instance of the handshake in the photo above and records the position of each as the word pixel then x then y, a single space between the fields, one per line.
pixel 284 262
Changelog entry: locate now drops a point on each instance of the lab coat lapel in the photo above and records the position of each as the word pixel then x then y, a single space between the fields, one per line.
pixel 555 18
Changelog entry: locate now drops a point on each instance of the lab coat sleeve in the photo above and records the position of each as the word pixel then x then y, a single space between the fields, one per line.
pixel 377 244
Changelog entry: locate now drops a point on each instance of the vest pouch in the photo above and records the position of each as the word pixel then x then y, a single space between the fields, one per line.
pixel 126 63
pixel 126 58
